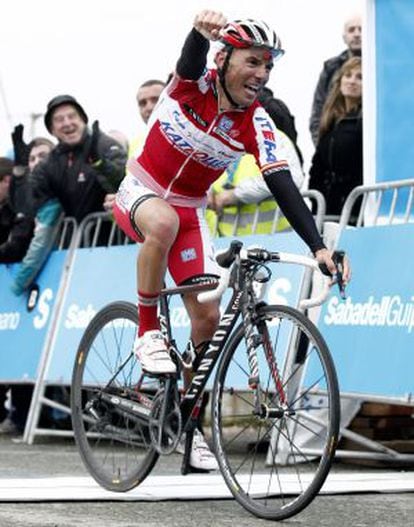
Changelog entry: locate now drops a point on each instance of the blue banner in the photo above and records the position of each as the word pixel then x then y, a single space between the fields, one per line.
pixel 371 333
pixel 395 87
pixel 23 333
pixel 103 275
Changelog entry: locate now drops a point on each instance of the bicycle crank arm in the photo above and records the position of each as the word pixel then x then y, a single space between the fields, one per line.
pixel 132 408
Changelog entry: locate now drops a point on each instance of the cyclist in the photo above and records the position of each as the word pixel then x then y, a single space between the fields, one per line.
pixel 205 119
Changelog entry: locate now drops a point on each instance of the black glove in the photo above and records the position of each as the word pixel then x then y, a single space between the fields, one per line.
pixel 21 149
pixel 93 149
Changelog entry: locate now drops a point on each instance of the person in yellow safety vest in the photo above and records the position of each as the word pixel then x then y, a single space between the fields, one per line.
pixel 240 203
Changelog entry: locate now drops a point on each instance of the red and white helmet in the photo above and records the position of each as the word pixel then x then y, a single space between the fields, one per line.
pixel 249 33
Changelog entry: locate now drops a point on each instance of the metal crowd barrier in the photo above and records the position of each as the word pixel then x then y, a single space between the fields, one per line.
pixel 396 196
pixel 382 204
pixel 314 197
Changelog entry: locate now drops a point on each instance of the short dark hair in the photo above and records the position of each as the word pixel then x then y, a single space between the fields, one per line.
pixel 6 167
pixel 151 82
pixel 39 141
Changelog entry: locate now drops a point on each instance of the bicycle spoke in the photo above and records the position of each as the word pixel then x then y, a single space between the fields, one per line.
pixel 277 475
pixel 113 442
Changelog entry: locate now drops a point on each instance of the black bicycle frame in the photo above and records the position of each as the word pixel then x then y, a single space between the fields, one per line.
pixel 210 355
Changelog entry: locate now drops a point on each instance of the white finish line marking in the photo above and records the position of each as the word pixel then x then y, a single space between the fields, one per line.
pixel 191 487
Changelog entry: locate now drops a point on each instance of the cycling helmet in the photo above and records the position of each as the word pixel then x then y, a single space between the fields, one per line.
pixel 249 33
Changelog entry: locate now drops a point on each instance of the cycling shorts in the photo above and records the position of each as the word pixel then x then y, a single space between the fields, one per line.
pixel 192 253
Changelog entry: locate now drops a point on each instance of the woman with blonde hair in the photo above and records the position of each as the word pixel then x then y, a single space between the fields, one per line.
pixel 337 163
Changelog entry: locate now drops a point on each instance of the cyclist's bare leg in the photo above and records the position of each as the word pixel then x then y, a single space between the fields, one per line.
pixel 204 320
pixel 159 223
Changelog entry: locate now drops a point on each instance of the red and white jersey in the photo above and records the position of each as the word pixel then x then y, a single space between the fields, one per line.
pixel 190 143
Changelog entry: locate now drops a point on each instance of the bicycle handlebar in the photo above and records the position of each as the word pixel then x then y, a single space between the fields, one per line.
pixel 227 257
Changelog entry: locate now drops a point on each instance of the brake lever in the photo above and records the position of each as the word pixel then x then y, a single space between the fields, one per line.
pixel 338 278
pixel 338 259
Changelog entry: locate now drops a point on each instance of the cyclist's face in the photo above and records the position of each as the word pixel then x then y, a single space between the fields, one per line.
pixel 248 71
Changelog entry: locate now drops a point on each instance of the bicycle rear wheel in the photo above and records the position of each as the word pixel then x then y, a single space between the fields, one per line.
pixel 111 401
pixel 275 455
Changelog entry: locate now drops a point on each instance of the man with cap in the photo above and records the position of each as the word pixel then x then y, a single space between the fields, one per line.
pixel 81 174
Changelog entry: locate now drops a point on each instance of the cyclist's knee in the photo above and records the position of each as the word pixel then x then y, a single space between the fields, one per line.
pixel 160 228
pixel 205 321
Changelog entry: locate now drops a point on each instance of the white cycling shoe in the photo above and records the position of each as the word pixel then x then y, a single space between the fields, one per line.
pixel 201 457
pixel 152 353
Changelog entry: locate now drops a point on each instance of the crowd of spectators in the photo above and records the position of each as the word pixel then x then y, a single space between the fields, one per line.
pixel 79 171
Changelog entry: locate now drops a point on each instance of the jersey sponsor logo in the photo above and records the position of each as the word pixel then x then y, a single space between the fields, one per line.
pixel 225 124
pixel 195 115
pixel 268 137
pixel 229 138
pixel 188 254
pixel 181 144
pixel 176 139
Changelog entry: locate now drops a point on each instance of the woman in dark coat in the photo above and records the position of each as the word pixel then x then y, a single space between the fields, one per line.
pixel 337 163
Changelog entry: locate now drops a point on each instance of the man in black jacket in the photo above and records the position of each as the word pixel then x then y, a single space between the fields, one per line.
pixel 16 228
pixel 84 167
pixel 352 38
pixel 80 176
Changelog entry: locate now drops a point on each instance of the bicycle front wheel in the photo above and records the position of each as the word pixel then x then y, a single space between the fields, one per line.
pixel 111 401
pixel 275 443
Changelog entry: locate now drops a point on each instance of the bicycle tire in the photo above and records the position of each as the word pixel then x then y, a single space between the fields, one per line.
pixel 113 443
pixel 288 455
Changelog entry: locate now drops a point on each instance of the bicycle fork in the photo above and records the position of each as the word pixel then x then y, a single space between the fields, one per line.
pixel 252 319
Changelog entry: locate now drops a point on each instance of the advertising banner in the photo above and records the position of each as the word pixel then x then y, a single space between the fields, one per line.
pixel 102 275
pixel 23 333
pixel 394 30
pixel 371 333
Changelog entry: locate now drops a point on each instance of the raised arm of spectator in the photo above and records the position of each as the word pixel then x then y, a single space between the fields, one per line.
pixel 108 159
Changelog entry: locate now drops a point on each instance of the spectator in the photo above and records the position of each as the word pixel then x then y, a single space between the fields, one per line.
pixel 241 190
pixel 16 228
pixel 336 166
pixel 281 116
pixel 147 97
pixel 12 250
pixel 81 174
pixel 352 38
pixel 39 149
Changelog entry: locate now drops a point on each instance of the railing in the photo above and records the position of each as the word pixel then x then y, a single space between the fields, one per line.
pixel 381 204
pixel 315 198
